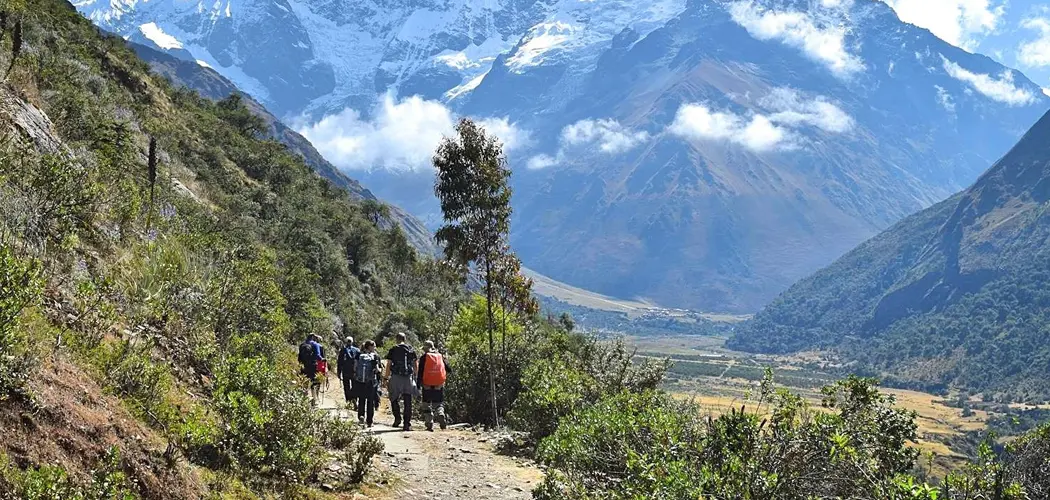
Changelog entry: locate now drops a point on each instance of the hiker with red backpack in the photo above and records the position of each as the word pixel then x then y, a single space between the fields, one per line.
pixel 311 357
pixel 433 371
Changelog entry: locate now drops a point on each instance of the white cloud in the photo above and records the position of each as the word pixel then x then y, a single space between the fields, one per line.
pixel 400 135
pixel 541 161
pixel 958 22
pixel 609 135
pixel 787 111
pixel 1036 53
pixel 821 38
pixel 606 136
pixel 945 98
pixel 699 122
pixel 1046 91
pixel 791 108
pixel 837 4
pixel 1000 89
pixel 508 133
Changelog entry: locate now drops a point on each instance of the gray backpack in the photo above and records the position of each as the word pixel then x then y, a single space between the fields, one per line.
pixel 366 367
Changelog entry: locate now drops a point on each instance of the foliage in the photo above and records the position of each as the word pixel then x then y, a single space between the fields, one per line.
pixel 51 482
pixel 20 287
pixel 578 374
pixel 182 251
pixel 545 371
pixel 269 425
pixel 472 187
pixel 643 445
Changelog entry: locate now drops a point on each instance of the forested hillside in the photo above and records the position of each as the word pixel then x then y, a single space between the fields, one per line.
pixel 955 295
pixel 159 260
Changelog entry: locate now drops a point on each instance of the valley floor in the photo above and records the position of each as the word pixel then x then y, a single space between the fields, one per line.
pixel 454 463
pixel 719 379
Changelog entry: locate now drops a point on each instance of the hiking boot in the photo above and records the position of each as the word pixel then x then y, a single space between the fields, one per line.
pixel 442 421
pixel 397 423
pixel 430 428
pixel 407 428
pixel 361 420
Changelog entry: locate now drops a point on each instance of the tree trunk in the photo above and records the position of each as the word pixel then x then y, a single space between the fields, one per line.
pixel 492 339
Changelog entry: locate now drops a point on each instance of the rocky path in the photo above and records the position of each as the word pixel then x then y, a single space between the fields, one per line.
pixel 450 464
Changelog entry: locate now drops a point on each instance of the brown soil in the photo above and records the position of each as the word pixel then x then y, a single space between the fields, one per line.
pixel 449 464
pixel 73 425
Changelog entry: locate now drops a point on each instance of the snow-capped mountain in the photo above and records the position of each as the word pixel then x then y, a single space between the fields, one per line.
pixel 701 153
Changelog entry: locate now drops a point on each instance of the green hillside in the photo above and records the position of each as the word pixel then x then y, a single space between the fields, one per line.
pixel 153 294
pixel 954 296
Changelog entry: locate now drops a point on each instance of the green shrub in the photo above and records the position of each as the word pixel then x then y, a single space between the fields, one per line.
pixel 649 446
pixel 129 371
pixel 50 482
pixel 575 371
pixel 20 288
pixel 268 425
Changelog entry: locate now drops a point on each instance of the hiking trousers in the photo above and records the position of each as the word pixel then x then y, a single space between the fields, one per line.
pixel 402 388
pixel 348 388
pixel 367 401
pixel 433 403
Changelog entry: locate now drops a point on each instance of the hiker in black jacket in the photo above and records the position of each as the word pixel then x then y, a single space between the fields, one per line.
pixel 401 363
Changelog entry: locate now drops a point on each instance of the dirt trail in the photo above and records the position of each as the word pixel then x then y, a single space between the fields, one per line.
pixel 455 463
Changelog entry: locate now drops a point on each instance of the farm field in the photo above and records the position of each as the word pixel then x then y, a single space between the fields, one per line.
pixel 719 379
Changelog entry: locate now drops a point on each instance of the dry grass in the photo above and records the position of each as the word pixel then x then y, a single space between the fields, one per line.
pixel 936 421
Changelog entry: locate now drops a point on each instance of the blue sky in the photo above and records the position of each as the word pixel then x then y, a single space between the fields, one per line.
pixel 1014 32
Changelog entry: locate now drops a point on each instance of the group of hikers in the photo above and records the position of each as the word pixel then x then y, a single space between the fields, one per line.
pixel 406 374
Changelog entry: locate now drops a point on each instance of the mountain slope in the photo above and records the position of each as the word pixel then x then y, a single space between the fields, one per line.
pixel 160 259
pixel 954 295
pixel 212 85
pixel 702 154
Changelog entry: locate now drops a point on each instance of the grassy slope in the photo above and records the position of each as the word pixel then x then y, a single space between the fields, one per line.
pixel 173 317
pixel 953 296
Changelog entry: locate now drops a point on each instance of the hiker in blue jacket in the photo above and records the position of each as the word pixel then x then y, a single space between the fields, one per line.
pixel 345 369
pixel 311 354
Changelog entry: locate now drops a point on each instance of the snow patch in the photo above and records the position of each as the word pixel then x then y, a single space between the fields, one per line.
pixel 159 37
pixel 945 99
pixel 465 88
pixel 542 38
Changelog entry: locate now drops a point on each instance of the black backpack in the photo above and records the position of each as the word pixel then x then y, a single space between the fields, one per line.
pixel 307 354
pixel 402 360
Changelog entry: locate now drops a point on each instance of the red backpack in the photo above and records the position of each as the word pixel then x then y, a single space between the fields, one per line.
pixel 433 370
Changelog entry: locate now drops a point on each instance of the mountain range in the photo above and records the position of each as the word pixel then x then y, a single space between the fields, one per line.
pixel 952 296
pixel 702 154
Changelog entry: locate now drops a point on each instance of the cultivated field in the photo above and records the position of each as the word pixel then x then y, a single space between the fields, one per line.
pixel 719 379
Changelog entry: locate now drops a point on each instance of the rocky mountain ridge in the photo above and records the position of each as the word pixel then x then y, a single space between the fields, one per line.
pixel 702 154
